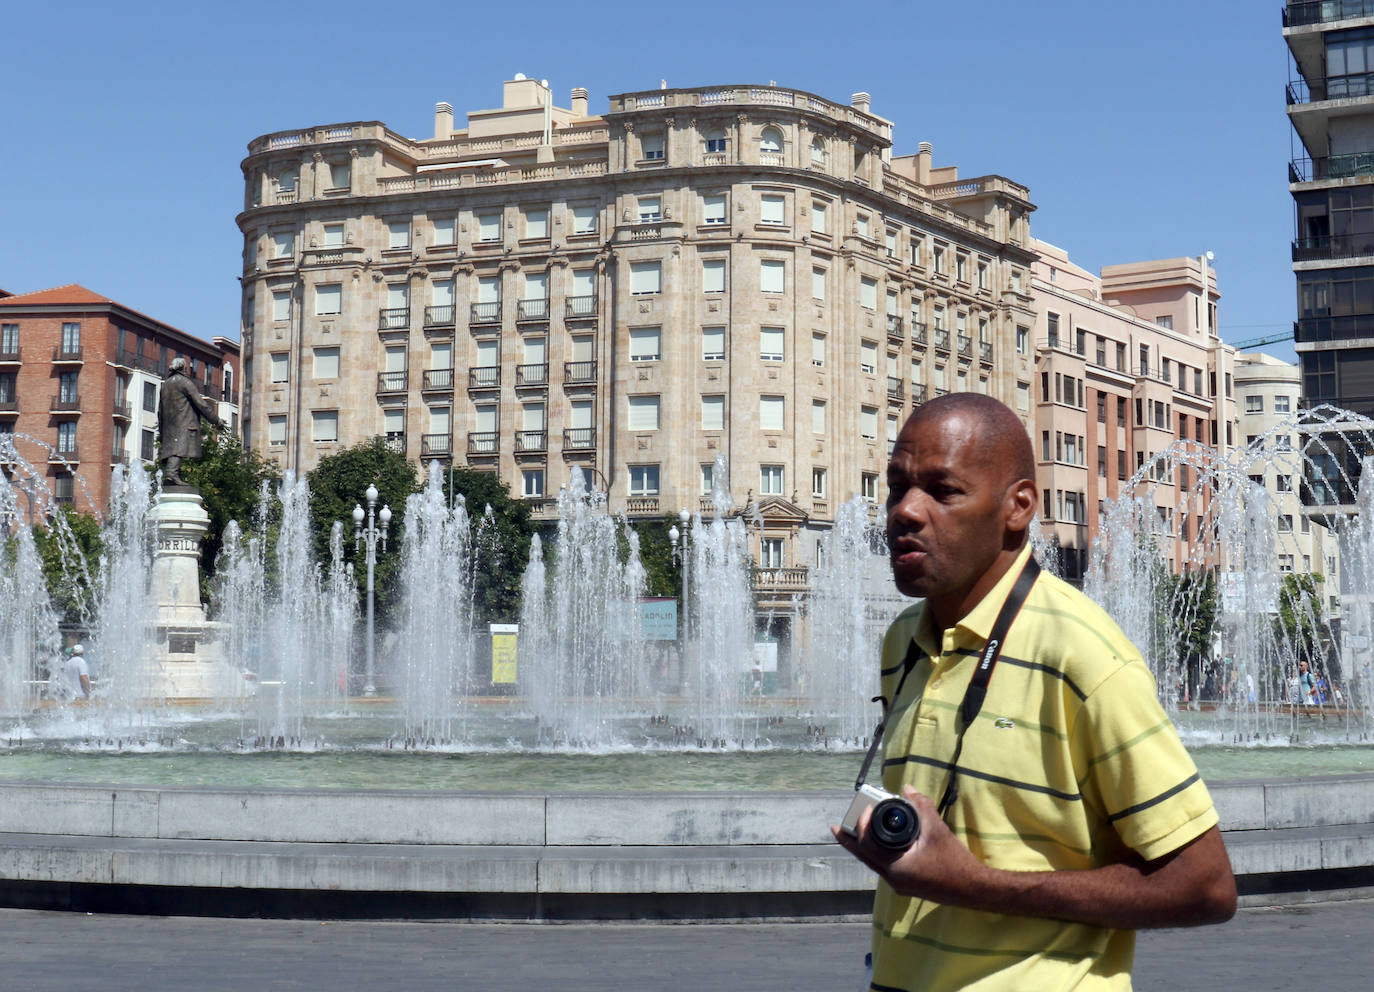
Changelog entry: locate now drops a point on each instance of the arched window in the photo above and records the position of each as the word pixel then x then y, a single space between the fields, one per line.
pixel 715 140
pixel 770 141
pixel 817 151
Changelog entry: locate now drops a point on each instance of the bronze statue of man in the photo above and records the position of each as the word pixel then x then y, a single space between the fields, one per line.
pixel 180 409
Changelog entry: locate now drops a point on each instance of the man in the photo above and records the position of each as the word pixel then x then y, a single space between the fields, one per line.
pixel 180 409
pixel 78 675
pixel 1078 815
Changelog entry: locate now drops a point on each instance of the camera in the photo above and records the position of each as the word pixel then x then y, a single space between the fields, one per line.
pixel 894 823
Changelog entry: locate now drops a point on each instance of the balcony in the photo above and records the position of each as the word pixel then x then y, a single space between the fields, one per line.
pixel 531 440
pixel 436 445
pixel 1345 328
pixel 398 318
pixel 395 441
pixel 579 438
pixel 65 353
pixel 9 404
pixel 1301 12
pixel 1333 246
pixel 985 352
pixel 579 372
pixel 918 334
pixel 965 345
pixel 126 359
pixel 1330 88
pixel 532 375
pixel 638 506
pixel 895 390
pixel 580 306
pixel 483 442
pixel 392 382
pixel 894 327
pixel 918 393
pixel 942 339
pixel 532 310
pixel 485 313
pixel 68 403
pixel 484 377
pixel 124 411
pixel 437 380
pixel 64 454
pixel 781 579
pixel 1306 170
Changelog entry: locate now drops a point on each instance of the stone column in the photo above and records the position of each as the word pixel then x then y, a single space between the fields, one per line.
pixel 181 523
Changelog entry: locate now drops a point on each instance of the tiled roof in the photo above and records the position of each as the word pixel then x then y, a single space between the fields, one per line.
pixel 70 293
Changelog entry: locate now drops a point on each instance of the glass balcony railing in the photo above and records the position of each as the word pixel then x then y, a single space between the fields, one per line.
pixel 1300 12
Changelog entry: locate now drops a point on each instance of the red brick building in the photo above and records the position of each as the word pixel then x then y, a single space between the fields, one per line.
pixel 79 377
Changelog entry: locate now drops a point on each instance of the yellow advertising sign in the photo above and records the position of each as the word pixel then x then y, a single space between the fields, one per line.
pixel 504 638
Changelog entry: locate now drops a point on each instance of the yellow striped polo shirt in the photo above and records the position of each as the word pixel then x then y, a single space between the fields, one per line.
pixel 1070 762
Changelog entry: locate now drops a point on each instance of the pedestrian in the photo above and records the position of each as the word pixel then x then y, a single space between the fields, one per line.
pixel 78 675
pixel 1062 814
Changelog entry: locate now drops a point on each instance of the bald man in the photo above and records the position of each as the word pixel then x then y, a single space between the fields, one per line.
pixel 1069 815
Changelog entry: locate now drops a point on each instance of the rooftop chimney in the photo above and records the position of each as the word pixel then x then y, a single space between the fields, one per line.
pixel 923 153
pixel 579 102
pixel 443 121
pixel 861 102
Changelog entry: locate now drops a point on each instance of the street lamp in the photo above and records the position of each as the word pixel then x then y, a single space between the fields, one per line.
pixel 682 557
pixel 371 533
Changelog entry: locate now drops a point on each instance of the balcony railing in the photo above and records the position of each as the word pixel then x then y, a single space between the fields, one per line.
pixel 794 578
pixel 985 352
pixel 125 411
pixel 894 387
pixel 579 438
pixel 436 445
pixel 580 306
pixel 894 326
pixel 641 505
pixel 1351 327
pixel 918 334
pixel 485 313
pixel 126 359
pixel 531 440
pixel 64 453
pixel 398 318
pixel 532 375
pixel 918 393
pixel 65 353
pixel 533 310
pixel 484 377
pixel 392 382
pixel 396 442
pixel 1306 170
pixel 941 339
pixel 1333 246
pixel 1300 12
pixel 438 379
pixel 482 442
pixel 966 345
pixel 9 404
pixel 1330 88
pixel 574 372
pixel 69 404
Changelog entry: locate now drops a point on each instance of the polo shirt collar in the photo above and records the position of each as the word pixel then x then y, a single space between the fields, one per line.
pixel 976 627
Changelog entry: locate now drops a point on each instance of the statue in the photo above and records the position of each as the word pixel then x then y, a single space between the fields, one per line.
pixel 180 409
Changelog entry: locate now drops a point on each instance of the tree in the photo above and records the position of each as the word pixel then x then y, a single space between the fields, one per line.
pixel 337 485
pixel 70 547
pixel 1298 625
pixel 504 544
pixel 230 480
pixel 662 575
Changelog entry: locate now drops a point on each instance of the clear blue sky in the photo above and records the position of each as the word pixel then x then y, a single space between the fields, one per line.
pixel 1144 130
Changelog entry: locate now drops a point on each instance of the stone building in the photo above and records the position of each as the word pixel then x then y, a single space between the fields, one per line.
pixel 1127 363
pixel 79 380
pixel 744 271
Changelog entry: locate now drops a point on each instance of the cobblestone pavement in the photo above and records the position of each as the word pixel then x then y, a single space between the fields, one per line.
pixel 1328 946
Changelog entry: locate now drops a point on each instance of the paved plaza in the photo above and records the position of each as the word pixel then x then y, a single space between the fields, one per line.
pixel 1324 946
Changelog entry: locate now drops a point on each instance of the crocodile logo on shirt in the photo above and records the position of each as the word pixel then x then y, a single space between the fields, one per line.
pixel 1002 723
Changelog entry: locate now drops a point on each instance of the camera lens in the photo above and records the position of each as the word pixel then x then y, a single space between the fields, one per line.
pixel 894 823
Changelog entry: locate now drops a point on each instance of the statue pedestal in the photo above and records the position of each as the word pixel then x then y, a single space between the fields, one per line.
pixel 189 662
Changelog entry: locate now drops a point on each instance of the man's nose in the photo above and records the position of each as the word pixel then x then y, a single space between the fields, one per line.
pixel 910 509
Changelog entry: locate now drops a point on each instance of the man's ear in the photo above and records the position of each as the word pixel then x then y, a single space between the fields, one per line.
pixel 1020 504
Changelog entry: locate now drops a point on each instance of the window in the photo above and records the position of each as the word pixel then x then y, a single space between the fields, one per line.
pixel 891 432
pixel 646 278
pixel 329 299
pixel 770 552
pixel 713 344
pixel 651 147
pixel 1023 340
pixel 818 151
pixel 714 141
pixel 644 413
pixel 489 226
pixel 1283 482
pixel 150 396
pixel 868 423
pixel 771 411
pixel 66 437
pixel 1023 396
pixel 584 220
pixel 818 218
pixel 771 207
pixel 324 425
pixel 398 234
pixel 281 306
pixel 1285 563
pixel 1281 404
pixel 713 413
pixel 650 209
pixel 333 235
pixel 536 288
pixel 1052 329
pixel 770 141
pixel 868 356
pixel 982 275
pixel 1165 321
pixel 645 344
pixel 445 231
pixel 771 278
pixel 713 209
pixel 817 349
pixel 868 293
pixel 770 480
pixel 818 483
pixel 280 367
pixel 861 225
pixel 713 275
pixel 1283 442
pixel 276 431
pixel 338 175
pixel 890 243
pixel 818 416
pixel 938 258
pixel 536 222
pixel 1254 404
pixel 708 473
pixel 643 480
pixel 961 267
pixel 532 482
pixel 818 284
pixel 283 244
pixel 868 486
pixel 771 344
pixel 326 363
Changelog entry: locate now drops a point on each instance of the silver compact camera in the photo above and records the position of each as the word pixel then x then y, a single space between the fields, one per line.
pixel 894 823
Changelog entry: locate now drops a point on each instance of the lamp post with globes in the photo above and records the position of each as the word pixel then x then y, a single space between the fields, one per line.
pixel 371 533
pixel 682 556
